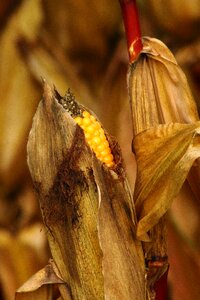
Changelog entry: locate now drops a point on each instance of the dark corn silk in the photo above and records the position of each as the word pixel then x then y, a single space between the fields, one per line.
pixel 69 103
pixel 93 131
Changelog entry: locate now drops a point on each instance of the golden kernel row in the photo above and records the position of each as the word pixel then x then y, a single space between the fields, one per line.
pixel 95 137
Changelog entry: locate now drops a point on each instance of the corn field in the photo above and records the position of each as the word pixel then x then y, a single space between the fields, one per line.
pixel 99 150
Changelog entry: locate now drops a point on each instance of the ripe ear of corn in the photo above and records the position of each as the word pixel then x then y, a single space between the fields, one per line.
pixel 95 137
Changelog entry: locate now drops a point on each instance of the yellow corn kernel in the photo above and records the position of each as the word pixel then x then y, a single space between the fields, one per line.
pixel 78 120
pixel 106 152
pixel 92 118
pixel 96 140
pixel 100 147
pixel 90 128
pixel 96 137
pixel 88 135
pixel 86 121
pixel 86 114
pixel 108 158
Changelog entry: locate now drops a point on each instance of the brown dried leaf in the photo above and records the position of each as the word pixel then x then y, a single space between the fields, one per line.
pixel 120 248
pixel 171 150
pixel 40 285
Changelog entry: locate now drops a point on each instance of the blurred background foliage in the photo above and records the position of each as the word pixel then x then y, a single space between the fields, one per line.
pixel 81 45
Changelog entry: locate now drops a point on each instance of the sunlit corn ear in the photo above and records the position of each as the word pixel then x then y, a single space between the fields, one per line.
pixel 86 206
pixel 93 131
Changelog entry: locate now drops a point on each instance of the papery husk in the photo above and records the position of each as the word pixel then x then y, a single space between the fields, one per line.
pixel 158 89
pixel 87 209
pixel 172 148
pixel 16 85
pixel 159 94
pixel 42 285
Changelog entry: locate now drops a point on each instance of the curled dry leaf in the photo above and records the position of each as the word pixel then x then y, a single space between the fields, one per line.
pixel 40 285
pixel 171 149
pixel 87 207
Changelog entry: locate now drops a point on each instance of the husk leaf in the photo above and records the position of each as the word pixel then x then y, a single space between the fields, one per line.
pixel 171 150
pixel 158 89
pixel 40 285
pixel 82 203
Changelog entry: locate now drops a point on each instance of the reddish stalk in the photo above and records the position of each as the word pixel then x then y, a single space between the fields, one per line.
pixel 161 287
pixel 134 44
pixel 132 28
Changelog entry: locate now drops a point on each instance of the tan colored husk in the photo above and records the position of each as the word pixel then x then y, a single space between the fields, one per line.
pixel 159 94
pixel 158 89
pixel 171 150
pixel 42 285
pixel 87 209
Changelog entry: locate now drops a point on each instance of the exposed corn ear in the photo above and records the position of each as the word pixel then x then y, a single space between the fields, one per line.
pixel 87 207
pixel 93 131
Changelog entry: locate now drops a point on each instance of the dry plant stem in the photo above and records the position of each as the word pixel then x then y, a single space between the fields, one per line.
pixel 132 28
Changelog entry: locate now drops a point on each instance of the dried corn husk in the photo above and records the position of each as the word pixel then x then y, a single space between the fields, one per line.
pixel 172 149
pixel 87 208
pixel 165 150
pixel 44 285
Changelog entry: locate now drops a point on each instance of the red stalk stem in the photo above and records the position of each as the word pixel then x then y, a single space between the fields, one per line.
pixel 132 28
pixel 161 287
